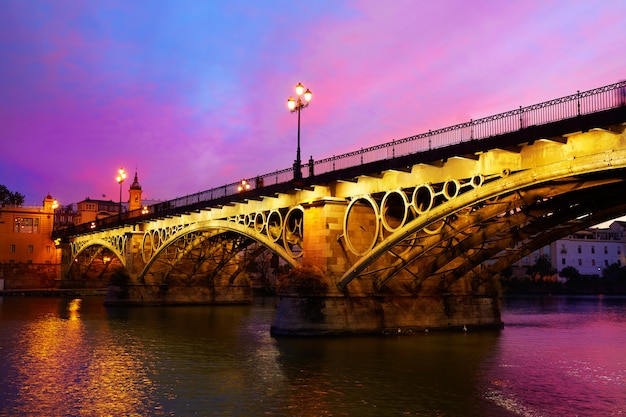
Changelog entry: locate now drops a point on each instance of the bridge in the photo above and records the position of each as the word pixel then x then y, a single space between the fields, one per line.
pixel 408 235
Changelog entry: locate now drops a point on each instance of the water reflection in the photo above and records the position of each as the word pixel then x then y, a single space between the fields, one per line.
pixel 64 357
pixel 66 369
pixel 562 354
pixel 390 376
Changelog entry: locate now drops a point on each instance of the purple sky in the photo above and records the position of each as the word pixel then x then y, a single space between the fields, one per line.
pixel 193 94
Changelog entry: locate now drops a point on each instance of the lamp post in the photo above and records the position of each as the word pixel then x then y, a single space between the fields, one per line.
pixel 243 186
pixel 121 176
pixel 295 106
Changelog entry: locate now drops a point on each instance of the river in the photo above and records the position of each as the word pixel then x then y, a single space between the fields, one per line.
pixel 557 356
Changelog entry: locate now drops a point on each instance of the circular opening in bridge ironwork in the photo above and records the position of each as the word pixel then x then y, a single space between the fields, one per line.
pixel 477 180
pixel 451 189
pixel 156 239
pixel 146 247
pixel 259 222
pixel 423 198
pixel 274 225
pixel 360 225
pixel 394 210
pixel 293 231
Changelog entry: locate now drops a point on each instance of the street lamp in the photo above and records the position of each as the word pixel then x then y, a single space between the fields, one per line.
pixel 243 186
pixel 295 106
pixel 121 176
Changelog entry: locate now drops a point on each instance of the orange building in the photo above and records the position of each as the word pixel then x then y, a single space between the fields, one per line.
pixel 25 244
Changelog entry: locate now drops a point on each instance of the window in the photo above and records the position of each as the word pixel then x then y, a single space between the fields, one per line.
pixel 30 248
pixel 580 249
pixel 26 225
pixel 580 262
pixel 562 261
pixel 606 250
pixel 593 249
pixel 593 262
pixel 12 248
pixel 606 262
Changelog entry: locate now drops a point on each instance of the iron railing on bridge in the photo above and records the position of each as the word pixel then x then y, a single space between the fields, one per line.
pixel 581 103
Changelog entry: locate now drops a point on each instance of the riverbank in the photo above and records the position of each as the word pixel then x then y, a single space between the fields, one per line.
pixel 89 292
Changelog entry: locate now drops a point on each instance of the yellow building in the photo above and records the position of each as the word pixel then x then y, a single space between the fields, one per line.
pixel 25 244
pixel 134 202
pixel 90 210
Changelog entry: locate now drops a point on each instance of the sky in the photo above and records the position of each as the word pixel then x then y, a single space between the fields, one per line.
pixel 192 95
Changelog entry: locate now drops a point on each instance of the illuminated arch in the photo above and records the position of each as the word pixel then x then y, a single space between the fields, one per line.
pixel 220 226
pixel 582 165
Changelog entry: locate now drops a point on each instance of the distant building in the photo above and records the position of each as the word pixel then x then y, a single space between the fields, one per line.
pixel 589 251
pixel 64 216
pixel 90 210
pixel 134 201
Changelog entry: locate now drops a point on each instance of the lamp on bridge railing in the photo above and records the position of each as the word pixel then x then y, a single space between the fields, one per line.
pixel 295 106
pixel 243 186
pixel 121 176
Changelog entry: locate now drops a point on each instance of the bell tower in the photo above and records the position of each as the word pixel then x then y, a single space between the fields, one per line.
pixel 135 195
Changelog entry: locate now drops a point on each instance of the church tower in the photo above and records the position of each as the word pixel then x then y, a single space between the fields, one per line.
pixel 135 195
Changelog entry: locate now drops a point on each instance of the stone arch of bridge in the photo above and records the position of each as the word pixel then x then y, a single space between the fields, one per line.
pixel 220 227
pixel 460 227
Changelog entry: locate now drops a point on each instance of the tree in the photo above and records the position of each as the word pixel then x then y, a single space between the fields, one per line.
pixel 570 273
pixel 8 198
pixel 542 268
pixel 613 272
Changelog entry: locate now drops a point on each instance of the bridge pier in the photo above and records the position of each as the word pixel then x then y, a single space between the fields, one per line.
pixel 312 304
pixel 320 315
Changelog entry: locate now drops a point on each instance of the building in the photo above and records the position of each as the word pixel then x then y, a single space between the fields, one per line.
pixel 134 201
pixel 589 251
pixel 64 216
pixel 90 210
pixel 28 256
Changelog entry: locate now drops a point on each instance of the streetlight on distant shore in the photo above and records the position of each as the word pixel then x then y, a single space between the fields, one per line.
pixel 295 106
pixel 121 176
